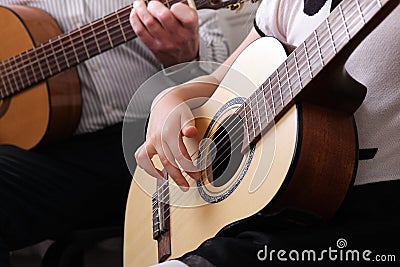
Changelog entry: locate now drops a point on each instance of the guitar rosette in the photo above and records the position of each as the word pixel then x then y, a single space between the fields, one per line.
pixel 219 151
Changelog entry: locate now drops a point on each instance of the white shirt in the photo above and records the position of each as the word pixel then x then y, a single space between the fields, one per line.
pixel 375 63
pixel 109 80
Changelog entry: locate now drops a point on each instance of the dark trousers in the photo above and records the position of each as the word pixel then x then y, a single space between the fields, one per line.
pixel 47 191
pixel 369 220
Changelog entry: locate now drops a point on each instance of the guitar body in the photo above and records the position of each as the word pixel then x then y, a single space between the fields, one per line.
pixel 49 110
pixel 307 161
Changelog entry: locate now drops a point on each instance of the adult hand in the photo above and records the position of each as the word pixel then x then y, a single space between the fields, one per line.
pixel 171 34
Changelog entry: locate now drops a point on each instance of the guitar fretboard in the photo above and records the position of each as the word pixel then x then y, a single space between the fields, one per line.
pixel 68 50
pixel 65 51
pixel 281 89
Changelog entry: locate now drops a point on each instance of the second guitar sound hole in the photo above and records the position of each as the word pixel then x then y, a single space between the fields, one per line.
pixel 228 139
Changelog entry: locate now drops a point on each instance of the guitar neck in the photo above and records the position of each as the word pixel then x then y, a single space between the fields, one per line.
pixel 68 50
pixel 65 51
pixel 336 37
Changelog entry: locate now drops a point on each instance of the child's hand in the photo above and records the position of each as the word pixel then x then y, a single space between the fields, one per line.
pixel 170 120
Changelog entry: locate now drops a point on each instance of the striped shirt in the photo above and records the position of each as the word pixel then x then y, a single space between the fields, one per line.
pixel 109 80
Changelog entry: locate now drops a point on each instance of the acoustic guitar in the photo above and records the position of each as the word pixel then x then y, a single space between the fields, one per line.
pixel 289 144
pixel 40 97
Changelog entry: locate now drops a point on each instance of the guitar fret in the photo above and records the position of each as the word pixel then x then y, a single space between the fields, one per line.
pixel 279 87
pixel 46 59
pixel 32 67
pixel 330 35
pixel 23 72
pixel 339 34
pixel 21 69
pixel 265 103
pixel 55 55
pixel 37 59
pixel 360 11
pixel 73 48
pixel 288 79
pixel 79 46
pixel 14 78
pixel 15 73
pixel 84 44
pixel 10 85
pixel 297 69
pixel 63 51
pixel 60 53
pixel 24 59
pixel 246 122
pixel 258 110
pixel 108 34
pixel 344 22
pixel 8 80
pixel 4 87
pixel 95 39
pixel 116 31
pixel 318 48
pixel 252 121
pixel 122 29
pixel 272 96
pixel 307 59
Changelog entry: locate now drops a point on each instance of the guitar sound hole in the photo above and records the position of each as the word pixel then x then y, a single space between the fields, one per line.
pixel 228 139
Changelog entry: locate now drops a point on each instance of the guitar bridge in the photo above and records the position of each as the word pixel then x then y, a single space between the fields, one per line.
pixel 161 219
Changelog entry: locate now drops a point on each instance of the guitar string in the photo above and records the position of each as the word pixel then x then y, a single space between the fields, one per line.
pixel 328 41
pixel 277 95
pixel 73 52
pixel 47 47
pixel 213 148
pixel 224 140
pixel 117 26
pixel 168 209
pixel 72 55
pixel 68 46
pixel 105 18
pixel 36 64
pixel 217 166
pixel 99 22
pixel 205 161
pixel 263 119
